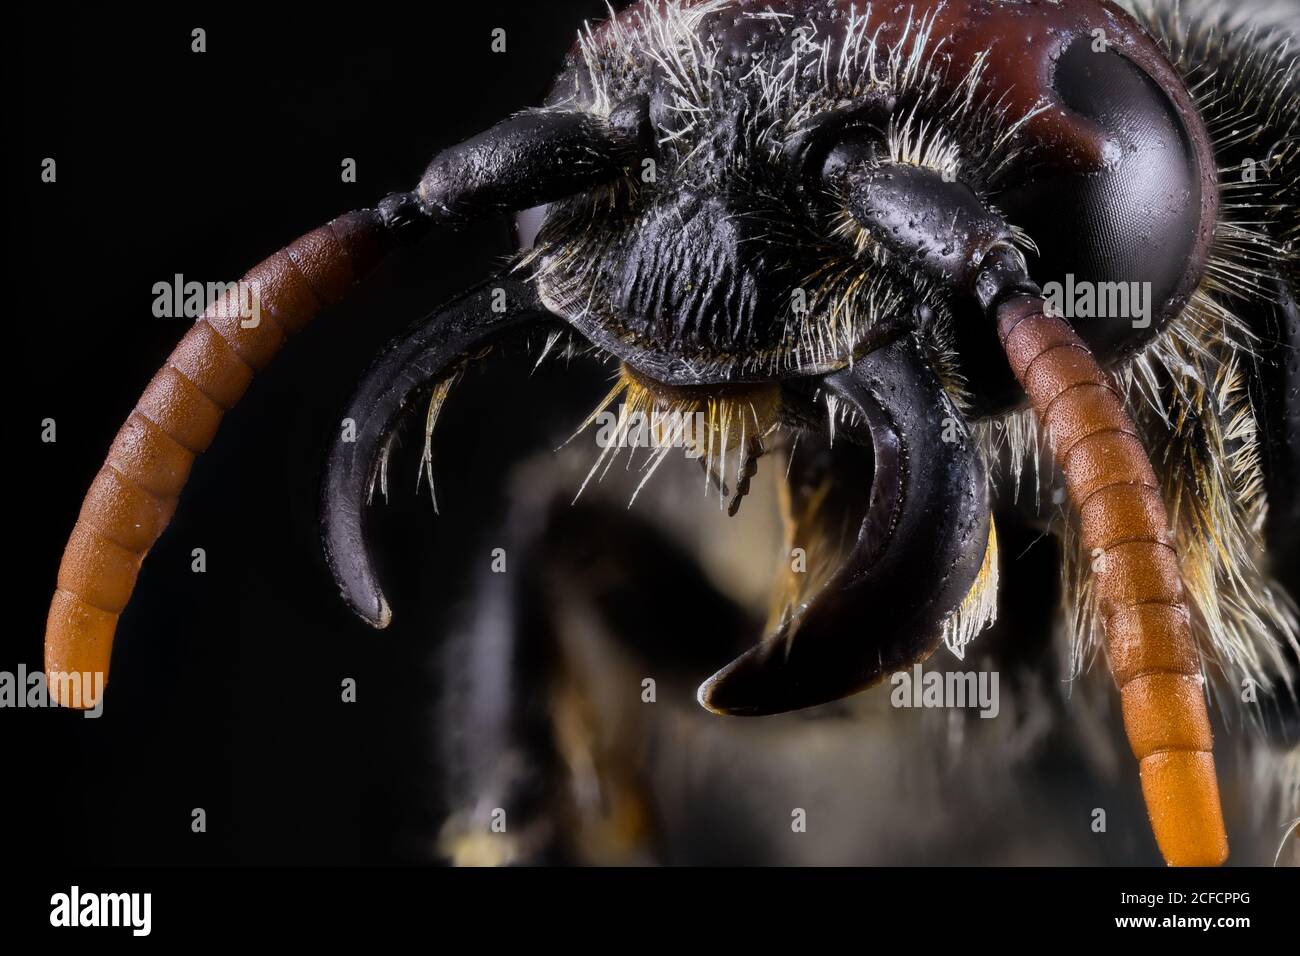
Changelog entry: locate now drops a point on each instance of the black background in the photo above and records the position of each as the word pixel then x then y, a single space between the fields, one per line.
pixel 225 691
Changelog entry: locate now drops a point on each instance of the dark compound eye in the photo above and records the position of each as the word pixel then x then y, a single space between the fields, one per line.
pixel 1138 219
pixel 1123 208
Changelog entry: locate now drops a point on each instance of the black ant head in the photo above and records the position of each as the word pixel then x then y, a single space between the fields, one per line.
pixel 767 225
pixel 794 216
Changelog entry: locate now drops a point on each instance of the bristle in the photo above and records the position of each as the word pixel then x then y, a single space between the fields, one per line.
pixel 979 609
pixel 839 60
pixel 1240 61
pixel 436 401
pixel 1204 446
pixel 710 427
pixel 1012 446
pixel 822 551
pixel 1187 394
pixel 1188 389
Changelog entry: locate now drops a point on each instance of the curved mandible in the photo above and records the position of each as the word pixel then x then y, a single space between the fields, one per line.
pixel 430 353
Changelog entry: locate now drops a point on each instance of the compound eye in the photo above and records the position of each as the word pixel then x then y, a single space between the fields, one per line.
pixel 1136 221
